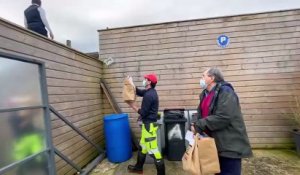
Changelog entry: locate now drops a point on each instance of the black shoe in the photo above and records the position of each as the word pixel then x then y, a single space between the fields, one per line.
pixel 135 169
pixel 160 166
pixel 138 167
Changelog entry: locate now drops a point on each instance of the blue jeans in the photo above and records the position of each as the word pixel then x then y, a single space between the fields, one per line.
pixel 230 166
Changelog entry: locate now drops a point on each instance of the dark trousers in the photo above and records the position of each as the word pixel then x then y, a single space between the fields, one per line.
pixel 40 30
pixel 230 166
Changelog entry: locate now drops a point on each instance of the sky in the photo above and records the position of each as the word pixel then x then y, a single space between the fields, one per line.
pixel 79 20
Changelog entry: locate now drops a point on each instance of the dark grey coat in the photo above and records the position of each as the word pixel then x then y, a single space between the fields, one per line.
pixel 225 123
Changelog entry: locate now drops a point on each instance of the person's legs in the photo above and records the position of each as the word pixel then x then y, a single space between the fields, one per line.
pixel 152 147
pixel 230 166
pixel 149 145
pixel 142 152
pixel 160 166
pixel 138 167
pixel 40 30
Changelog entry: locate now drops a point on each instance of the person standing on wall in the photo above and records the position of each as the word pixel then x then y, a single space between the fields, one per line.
pixel 35 19
pixel 149 115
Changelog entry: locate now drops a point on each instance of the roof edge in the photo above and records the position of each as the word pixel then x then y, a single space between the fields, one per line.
pixel 197 19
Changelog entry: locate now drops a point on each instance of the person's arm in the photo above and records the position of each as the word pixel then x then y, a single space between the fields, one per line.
pixel 226 110
pixel 25 22
pixel 44 19
pixel 146 104
pixel 140 92
pixel 133 106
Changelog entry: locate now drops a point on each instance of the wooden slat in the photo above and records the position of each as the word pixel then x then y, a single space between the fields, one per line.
pixel 271 140
pixel 71 76
pixel 227 70
pixel 75 104
pixel 273 145
pixel 70 83
pixel 75 97
pixel 234 64
pixel 196 25
pixel 236 78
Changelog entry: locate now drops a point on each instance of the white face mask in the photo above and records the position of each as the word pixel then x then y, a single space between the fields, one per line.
pixel 203 85
pixel 144 83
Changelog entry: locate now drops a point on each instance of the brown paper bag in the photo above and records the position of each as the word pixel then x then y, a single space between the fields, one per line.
pixel 129 93
pixel 190 159
pixel 208 156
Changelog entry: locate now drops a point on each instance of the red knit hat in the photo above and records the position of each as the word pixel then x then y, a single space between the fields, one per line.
pixel 151 77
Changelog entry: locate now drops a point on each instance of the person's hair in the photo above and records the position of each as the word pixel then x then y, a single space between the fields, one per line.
pixel 36 2
pixel 153 85
pixel 215 72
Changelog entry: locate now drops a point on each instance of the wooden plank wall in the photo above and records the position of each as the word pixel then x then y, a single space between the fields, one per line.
pixel 74 90
pixel 262 62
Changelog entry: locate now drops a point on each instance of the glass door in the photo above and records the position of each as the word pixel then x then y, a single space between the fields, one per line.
pixel 25 135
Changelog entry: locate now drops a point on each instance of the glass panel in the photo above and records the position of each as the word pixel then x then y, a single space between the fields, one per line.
pixel 36 166
pixel 20 84
pixel 24 135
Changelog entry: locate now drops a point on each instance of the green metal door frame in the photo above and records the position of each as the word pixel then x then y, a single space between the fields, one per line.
pixel 47 121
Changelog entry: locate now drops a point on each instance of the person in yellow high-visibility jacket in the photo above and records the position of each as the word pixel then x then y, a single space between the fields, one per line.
pixel 28 145
pixel 149 115
pixel 29 140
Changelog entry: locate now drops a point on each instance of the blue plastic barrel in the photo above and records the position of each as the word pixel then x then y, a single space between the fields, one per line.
pixel 117 137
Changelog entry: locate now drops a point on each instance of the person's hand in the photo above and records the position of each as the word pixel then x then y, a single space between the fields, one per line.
pixel 130 80
pixel 51 35
pixel 193 128
pixel 139 119
pixel 130 103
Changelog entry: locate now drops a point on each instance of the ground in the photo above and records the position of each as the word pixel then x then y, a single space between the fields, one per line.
pixel 264 162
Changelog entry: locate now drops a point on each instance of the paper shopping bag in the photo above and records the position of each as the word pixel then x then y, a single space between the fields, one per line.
pixel 208 155
pixel 129 93
pixel 190 159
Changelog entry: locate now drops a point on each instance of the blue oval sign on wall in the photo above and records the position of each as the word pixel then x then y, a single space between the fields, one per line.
pixel 223 41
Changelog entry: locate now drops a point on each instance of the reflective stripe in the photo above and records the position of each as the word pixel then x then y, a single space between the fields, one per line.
pixel 156 153
pixel 153 151
pixel 143 146
pixel 150 139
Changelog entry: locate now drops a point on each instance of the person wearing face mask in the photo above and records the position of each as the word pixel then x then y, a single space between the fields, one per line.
pixel 149 115
pixel 35 19
pixel 219 116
